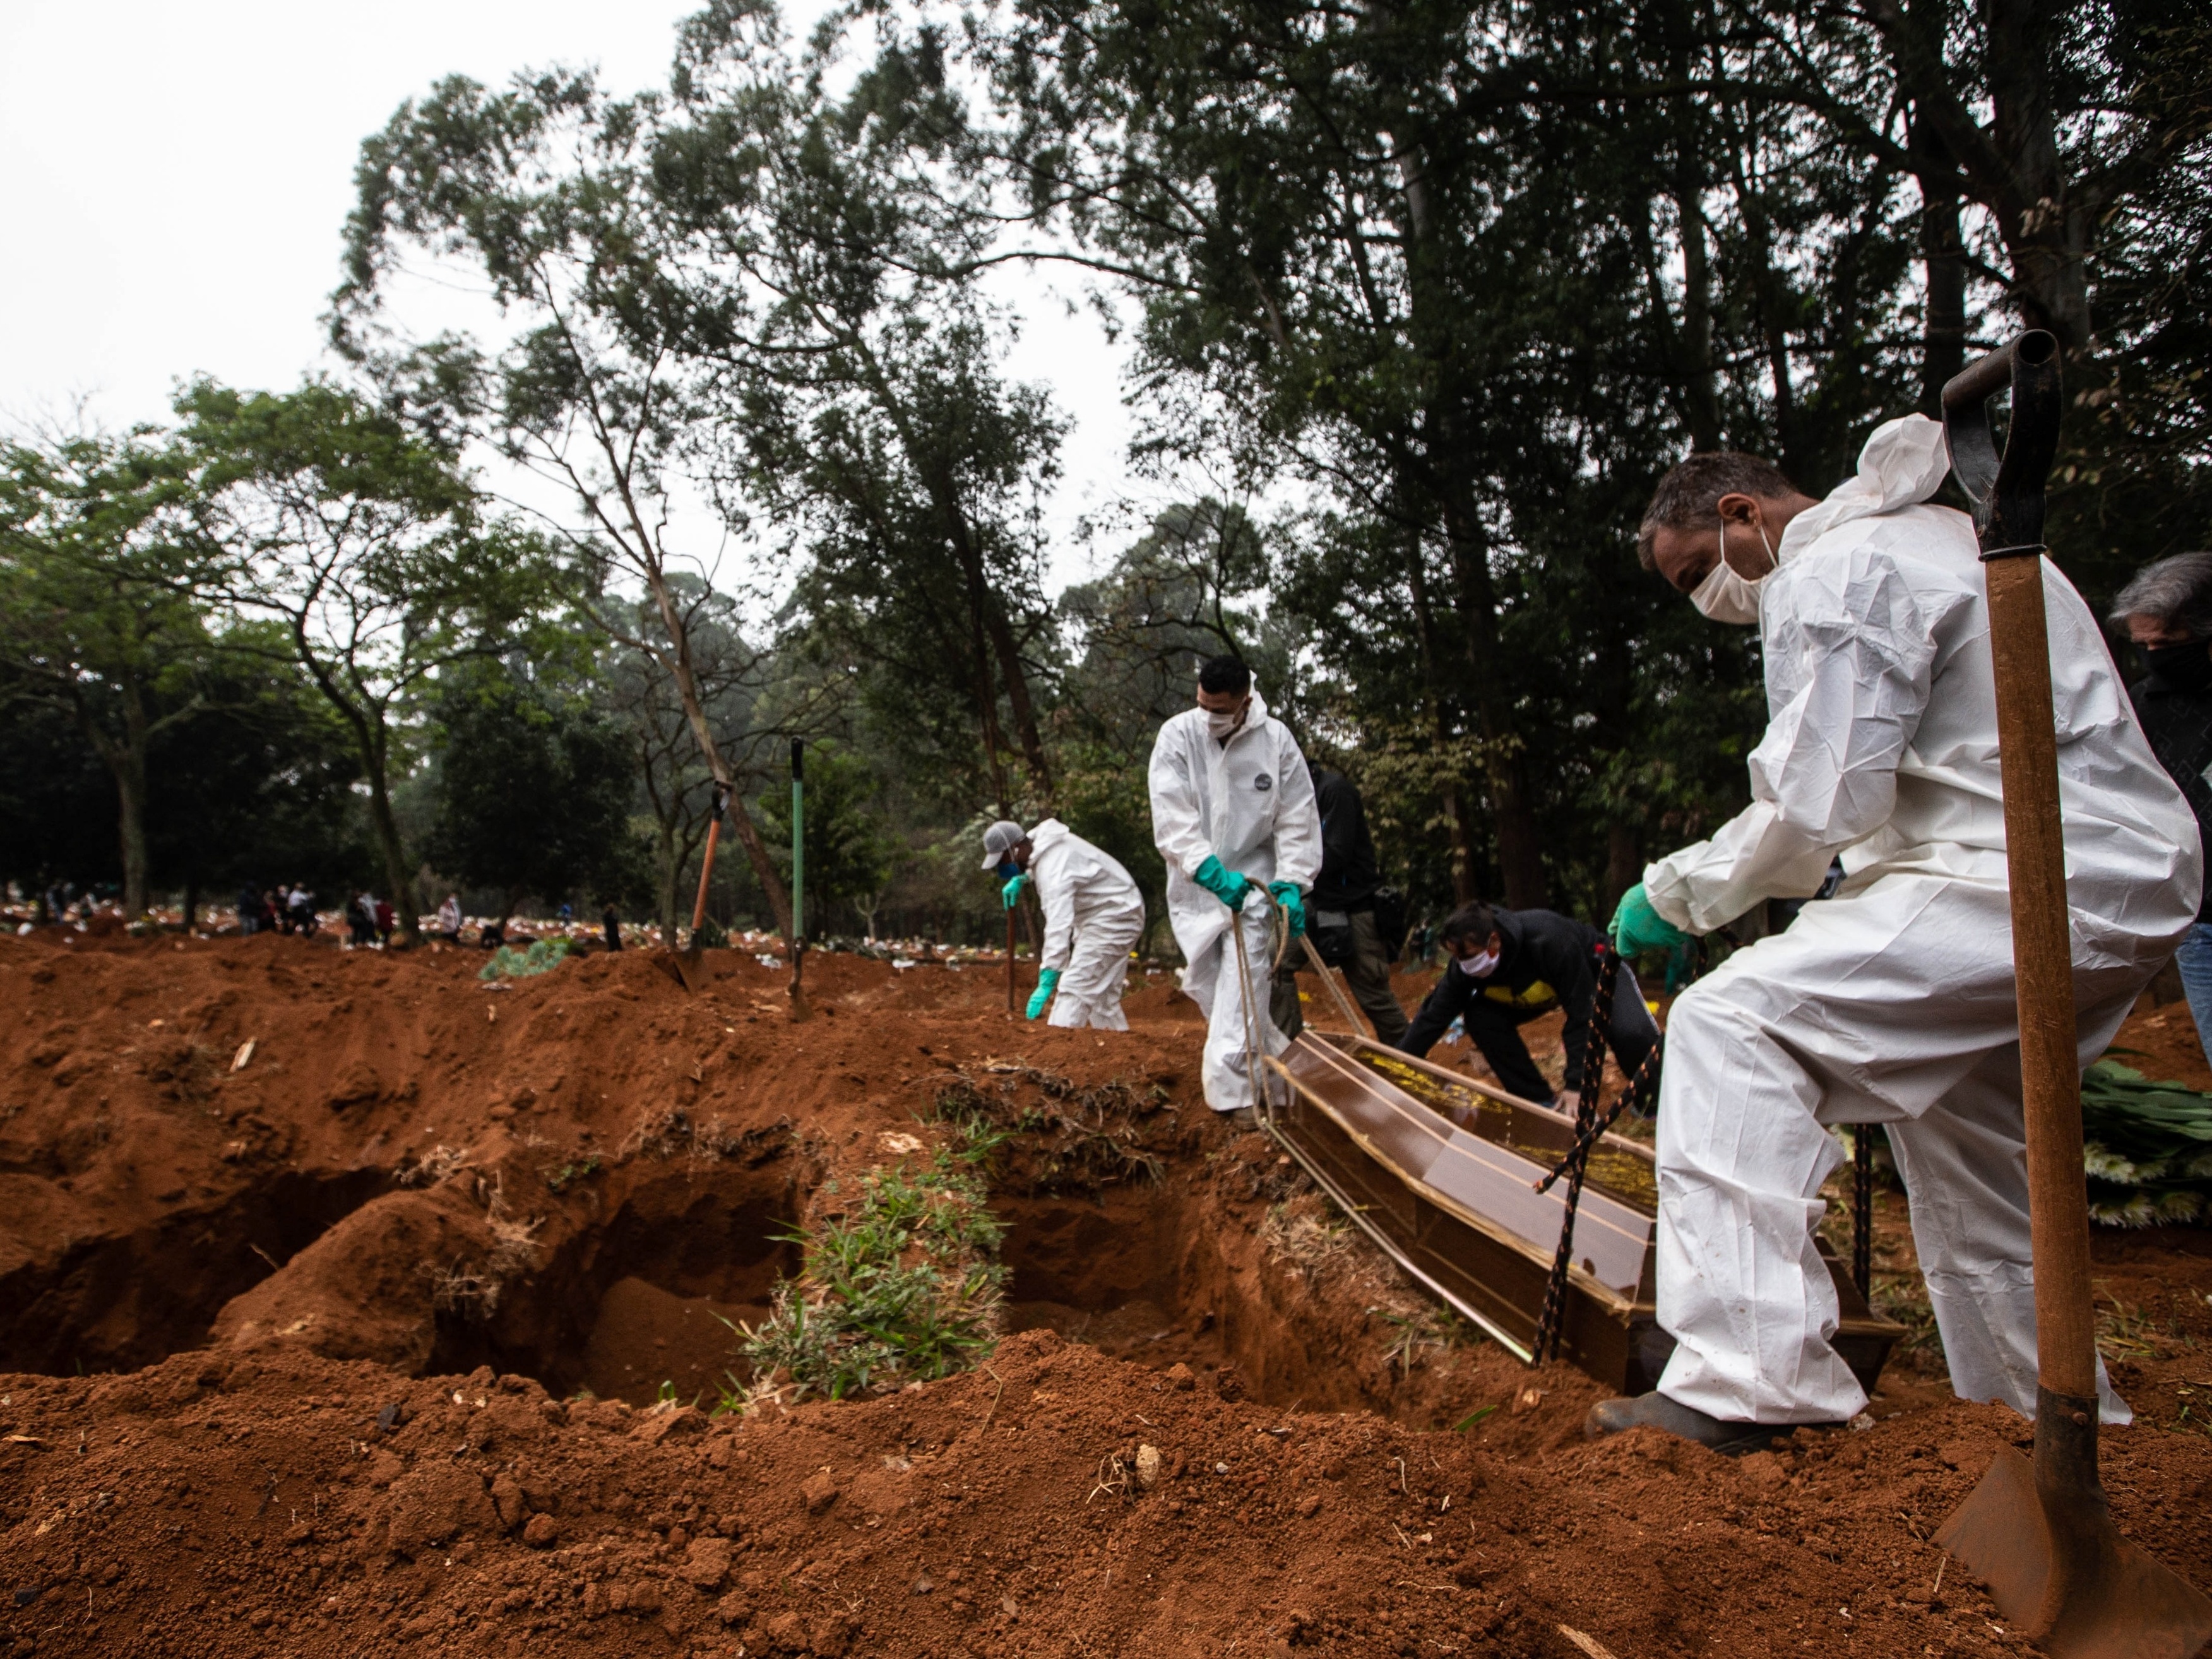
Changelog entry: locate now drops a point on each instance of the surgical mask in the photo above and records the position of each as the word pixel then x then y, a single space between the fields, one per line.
pixel 2183 667
pixel 1725 595
pixel 1225 726
pixel 1008 869
pixel 1479 967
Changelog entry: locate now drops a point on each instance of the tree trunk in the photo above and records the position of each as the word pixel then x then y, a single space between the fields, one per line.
pixel 126 764
pixel 1017 699
pixel 405 911
pixel 1623 864
pixel 1943 255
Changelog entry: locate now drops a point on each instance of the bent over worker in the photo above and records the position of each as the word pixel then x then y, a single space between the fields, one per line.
pixel 1233 814
pixel 1893 1001
pixel 1093 915
pixel 1507 968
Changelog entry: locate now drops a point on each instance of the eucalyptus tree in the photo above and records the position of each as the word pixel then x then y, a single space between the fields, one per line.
pixel 366 548
pixel 544 190
pixel 107 576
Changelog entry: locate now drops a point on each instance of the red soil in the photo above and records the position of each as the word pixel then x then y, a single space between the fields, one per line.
pixel 336 1310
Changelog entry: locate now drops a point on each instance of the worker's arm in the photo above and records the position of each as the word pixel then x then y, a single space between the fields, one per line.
pixel 1177 820
pixel 1854 654
pixel 1444 1004
pixel 1055 890
pixel 1298 822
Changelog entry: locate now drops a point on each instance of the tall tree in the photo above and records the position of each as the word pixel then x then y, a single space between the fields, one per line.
pixel 105 578
pixel 366 547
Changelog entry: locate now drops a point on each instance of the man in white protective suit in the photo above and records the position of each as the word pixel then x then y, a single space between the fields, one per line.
pixel 1893 1002
pixel 1233 813
pixel 1093 915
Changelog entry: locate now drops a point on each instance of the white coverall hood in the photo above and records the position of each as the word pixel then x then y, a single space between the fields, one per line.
pixel 1892 1002
pixel 1093 914
pixel 1249 802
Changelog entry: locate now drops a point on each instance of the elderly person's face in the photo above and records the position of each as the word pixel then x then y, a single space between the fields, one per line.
pixel 2149 631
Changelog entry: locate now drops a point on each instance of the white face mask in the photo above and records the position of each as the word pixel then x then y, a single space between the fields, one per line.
pixel 1225 726
pixel 1479 967
pixel 1726 595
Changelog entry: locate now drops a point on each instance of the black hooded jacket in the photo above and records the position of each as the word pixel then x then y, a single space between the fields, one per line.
pixel 1545 961
pixel 2179 724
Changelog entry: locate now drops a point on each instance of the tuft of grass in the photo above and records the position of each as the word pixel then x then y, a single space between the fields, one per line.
pixel 541 956
pixel 569 1174
pixel 904 1286
pixel 1425 1328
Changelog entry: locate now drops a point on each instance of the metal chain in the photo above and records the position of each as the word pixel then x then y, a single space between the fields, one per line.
pixel 1546 1345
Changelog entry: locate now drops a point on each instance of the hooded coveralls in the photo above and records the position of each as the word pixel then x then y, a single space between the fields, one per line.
pixel 1249 802
pixel 1092 916
pixel 1893 1002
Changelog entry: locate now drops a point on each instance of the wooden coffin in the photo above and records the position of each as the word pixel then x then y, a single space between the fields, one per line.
pixel 1440 1170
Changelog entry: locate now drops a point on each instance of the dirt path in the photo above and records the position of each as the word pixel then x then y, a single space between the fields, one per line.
pixel 352 1348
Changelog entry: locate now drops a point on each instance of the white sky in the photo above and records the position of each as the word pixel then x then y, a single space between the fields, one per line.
pixel 175 178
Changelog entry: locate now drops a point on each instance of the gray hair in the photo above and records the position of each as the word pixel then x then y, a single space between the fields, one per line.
pixel 2176 590
pixel 1689 496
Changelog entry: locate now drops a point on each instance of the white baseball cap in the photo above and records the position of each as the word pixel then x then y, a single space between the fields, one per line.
pixel 1000 839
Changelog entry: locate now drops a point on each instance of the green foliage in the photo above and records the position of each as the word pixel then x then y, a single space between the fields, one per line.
pixel 559 1180
pixel 541 957
pixel 904 1287
pixel 2147 1148
pixel 534 788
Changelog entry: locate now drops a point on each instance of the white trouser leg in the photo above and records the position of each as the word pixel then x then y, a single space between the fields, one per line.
pixel 1090 990
pixel 1896 1005
pixel 1211 981
pixel 1742 1156
pixel 1965 1166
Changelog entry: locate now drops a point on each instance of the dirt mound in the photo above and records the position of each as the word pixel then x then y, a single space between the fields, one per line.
pixel 348 1343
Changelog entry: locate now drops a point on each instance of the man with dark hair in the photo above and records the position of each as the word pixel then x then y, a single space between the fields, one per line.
pixel 1892 1001
pixel 1346 928
pixel 1233 815
pixel 2167 611
pixel 1507 968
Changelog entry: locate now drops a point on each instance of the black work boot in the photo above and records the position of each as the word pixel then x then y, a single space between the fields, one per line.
pixel 1655 1411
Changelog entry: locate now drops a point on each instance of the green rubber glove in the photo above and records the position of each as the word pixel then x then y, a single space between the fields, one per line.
pixel 1047 983
pixel 1010 894
pixel 1293 902
pixel 1636 928
pixel 1228 886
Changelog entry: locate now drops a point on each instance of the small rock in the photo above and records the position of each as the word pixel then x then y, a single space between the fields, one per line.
pixel 644 1596
pixel 707 1563
pixel 595 1602
pixel 732 1608
pixel 922 1586
pixel 1309 1506
pixel 1527 1401
pixel 1229 1385
pixel 1181 1377
pixel 1148 1467
pixel 541 1532
pixel 820 1491
pixel 665 1424
pixel 506 1498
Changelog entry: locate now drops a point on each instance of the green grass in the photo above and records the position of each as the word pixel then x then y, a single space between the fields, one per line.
pixel 905 1286
pixel 542 956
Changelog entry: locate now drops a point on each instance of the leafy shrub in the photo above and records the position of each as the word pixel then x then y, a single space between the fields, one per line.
pixel 541 956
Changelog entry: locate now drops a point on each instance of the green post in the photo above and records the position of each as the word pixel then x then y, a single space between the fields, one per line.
pixel 797 844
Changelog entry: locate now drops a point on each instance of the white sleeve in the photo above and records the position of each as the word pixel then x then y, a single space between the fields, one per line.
pixel 1058 897
pixel 1824 775
pixel 1175 817
pixel 1297 819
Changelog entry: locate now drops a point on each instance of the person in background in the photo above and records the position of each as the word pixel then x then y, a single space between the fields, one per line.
pixel 302 904
pixel 449 918
pixel 1233 815
pixel 1508 967
pixel 380 912
pixel 361 919
pixel 2168 612
pixel 249 909
pixel 611 920
pixel 1093 915
pixel 1344 924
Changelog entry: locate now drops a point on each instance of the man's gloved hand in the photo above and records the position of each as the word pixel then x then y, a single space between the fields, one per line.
pixel 1293 902
pixel 1047 983
pixel 1010 894
pixel 1636 928
pixel 1229 886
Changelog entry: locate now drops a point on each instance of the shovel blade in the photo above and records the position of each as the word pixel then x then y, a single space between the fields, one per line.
pixel 690 969
pixel 2110 1601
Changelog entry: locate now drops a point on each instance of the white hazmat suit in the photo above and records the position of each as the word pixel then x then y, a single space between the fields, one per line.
pixel 1093 914
pixel 1249 802
pixel 1893 1002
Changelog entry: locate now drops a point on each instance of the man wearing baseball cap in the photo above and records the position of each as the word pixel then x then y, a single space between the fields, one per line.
pixel 1093 915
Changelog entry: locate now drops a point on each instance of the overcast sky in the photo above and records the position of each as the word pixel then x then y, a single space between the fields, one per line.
pixel 173 180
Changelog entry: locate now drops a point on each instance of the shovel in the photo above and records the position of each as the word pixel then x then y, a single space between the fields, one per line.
pixel 689 967
pixel 800 1011
pixel 2040 1536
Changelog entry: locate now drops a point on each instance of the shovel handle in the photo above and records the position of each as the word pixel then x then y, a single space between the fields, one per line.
pixel 707 868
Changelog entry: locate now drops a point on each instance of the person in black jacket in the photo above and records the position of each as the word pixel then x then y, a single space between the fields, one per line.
pixel 1341 911
pixel 2168 612
pixel 1509 966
